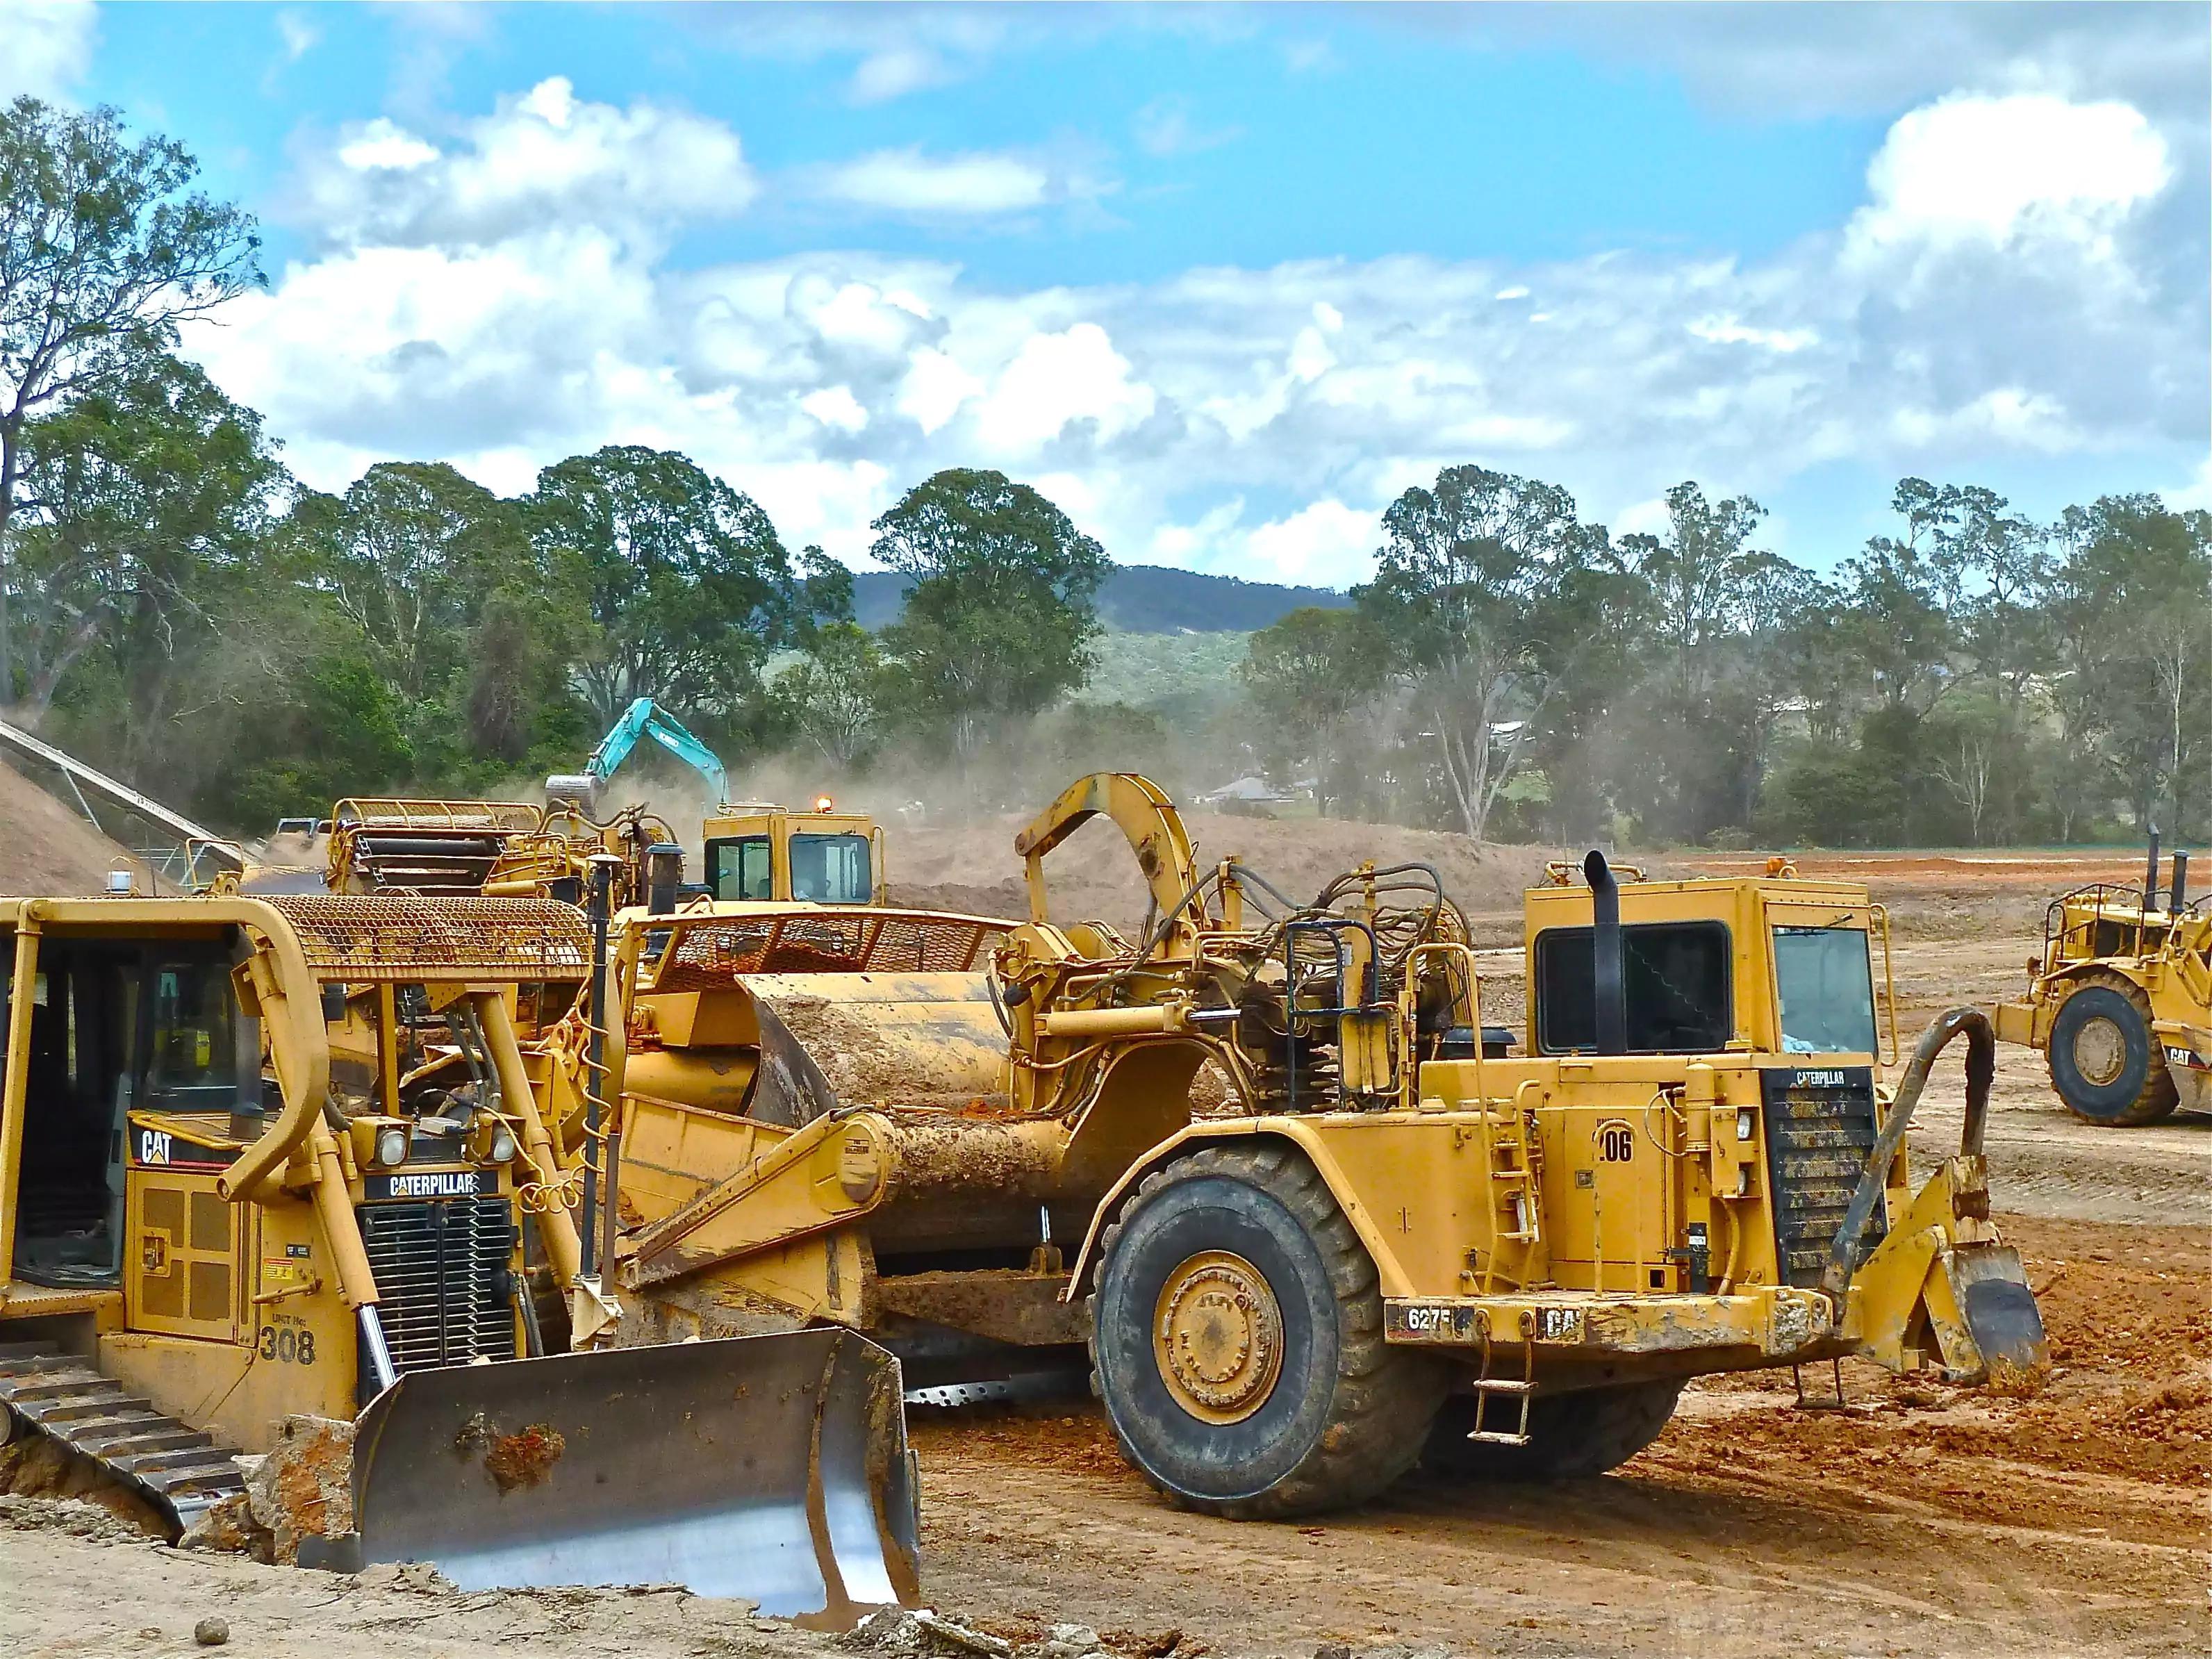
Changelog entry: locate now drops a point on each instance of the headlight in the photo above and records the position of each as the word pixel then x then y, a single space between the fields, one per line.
pixel 392 1144
pixel 503 1146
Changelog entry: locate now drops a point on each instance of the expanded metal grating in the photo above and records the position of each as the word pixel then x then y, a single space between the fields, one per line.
pixel 704 952
pixel 356 939
pixel 442 1279
pixel 1820 1127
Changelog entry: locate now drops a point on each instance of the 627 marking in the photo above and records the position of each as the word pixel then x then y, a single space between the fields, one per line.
pixel 286 1346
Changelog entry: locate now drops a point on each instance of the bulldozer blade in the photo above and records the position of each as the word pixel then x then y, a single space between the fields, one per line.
pixel 1994 1297
pixel 773 1468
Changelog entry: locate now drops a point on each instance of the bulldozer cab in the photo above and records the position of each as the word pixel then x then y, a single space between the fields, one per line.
pixel 1780 965
pixel 137 1052
pixel 821 857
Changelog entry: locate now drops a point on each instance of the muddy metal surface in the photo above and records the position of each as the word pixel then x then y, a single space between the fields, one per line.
pixel 2073 1519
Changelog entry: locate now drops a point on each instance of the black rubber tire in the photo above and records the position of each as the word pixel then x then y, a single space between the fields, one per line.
pixel 1572 1435
pixel 2143 1091
pixel 1347 1413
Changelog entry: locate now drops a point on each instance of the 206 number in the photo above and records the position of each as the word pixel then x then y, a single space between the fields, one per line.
pixel 1616 1143
pixel 286 1346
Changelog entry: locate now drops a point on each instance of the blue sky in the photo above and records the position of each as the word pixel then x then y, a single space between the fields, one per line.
pixel 1220 280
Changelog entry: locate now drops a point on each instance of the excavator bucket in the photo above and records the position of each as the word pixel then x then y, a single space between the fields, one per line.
pixel 773 1468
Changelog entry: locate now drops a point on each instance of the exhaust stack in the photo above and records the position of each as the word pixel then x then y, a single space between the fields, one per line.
pixel 1608 979
pixel 2150 877
pixel 2180 898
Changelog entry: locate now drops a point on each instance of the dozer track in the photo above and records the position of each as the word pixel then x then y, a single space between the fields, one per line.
pixel 177 1469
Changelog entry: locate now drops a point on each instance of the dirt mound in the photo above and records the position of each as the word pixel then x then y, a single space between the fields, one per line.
pixel 972 866
pixel 46 848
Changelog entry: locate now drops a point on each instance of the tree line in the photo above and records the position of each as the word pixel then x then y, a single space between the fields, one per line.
pixel 180 610
pixel 1971 677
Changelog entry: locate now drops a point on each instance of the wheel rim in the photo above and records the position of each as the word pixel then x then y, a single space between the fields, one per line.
pixel 2100 1052
pixel 1218 1336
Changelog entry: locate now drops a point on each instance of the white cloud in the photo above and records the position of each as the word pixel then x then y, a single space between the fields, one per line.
pixel 1166 127
pixel 935 388
pixel 1974 167
pixel 835 405
pixel 883 75
pixel 908 182
pixel 46 46
pixel 1327 543
pixel 1728 331
pixel 296 34
pixel 545 158
pixel 1254 421
pixel 1055 378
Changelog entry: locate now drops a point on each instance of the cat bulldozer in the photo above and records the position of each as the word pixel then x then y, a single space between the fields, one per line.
pixel 1265 1170
pixel 2120 999
pixel 268 1158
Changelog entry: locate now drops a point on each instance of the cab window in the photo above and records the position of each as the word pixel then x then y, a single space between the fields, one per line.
pixel 1823 979
pixel 192 1054
pixel 1676 981
pixel 830 869
pixel 740 867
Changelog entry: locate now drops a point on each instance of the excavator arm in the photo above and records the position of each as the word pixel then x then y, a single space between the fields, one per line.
pixel 642 718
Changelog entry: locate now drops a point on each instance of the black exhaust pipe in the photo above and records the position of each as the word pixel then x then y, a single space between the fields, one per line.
pixel 664 868
pixel 2150 880
pixel 2180 896
pixel 1608 978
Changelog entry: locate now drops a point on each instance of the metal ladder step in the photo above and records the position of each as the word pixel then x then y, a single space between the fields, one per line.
pixel 1502 1385
pixel 1499 1438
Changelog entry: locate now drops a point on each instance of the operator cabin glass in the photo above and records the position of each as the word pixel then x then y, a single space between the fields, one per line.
pixel 1675 981
pixel 194 1065
pixel 1825 982
pixel 830 869
pixel 825 869
pixel 740 868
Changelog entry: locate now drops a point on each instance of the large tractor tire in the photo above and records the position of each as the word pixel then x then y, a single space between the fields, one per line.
pixel 2105 1059
pixel 1570 1435
pixel 1238 1342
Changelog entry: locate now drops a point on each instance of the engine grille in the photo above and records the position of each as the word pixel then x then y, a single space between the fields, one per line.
pixel 441 1280
pixel 1819 1128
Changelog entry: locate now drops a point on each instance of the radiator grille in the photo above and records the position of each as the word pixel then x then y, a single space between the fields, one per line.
pixel 1819 1128
pixel 441 1280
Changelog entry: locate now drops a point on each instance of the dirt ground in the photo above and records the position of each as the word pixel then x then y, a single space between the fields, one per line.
pixel 2075 1518
pixel 45 846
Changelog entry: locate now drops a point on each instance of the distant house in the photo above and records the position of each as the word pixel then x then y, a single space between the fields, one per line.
pixel 1252 792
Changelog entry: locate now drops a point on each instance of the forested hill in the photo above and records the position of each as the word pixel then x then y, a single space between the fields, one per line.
pixel 1140 599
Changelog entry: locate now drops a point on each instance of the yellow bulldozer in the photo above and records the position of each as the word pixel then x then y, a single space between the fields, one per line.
pixel 2120 1000
pixel 1381 1235
pixel 263 1158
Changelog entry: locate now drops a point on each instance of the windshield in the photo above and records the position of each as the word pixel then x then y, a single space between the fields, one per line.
pixel 739 868
pixel 1825 982
pixel 830 869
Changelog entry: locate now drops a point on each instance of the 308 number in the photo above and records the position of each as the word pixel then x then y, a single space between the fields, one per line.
pixel 286 1346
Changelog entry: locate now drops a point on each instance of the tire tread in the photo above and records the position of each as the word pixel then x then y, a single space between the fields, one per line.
pixel 1384 1398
